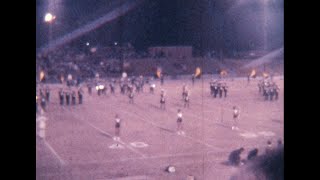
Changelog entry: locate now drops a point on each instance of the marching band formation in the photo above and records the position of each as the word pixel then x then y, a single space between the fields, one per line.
pixel 73 94
pixel 218 88
pixel 269 89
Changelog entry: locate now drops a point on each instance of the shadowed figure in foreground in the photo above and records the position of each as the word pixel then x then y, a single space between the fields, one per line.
pixel 252 154
pixel 266 167
pixel 234 157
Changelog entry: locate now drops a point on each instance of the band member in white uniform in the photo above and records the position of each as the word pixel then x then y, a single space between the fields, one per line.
pixel 236 115
pixel 179 123
pixel 117 128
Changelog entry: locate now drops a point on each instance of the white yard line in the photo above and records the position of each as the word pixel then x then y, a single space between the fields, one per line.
pixel 54 152
pixel 196 140
pixel 172 131
pixel 108 134
pixel 150 157
pixel 241 130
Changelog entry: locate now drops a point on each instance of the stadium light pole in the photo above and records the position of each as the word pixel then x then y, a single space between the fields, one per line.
pixel 119 50
pixel 49 18
pixel 265 25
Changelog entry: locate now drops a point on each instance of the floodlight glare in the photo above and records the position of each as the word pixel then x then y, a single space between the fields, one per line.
pixel 49 17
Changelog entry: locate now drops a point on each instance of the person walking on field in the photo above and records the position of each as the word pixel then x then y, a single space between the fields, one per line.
pixel 186 99
pixel 117 129
pixel 179 123
pixel 162 100
pixel 184 90
pixel 236 115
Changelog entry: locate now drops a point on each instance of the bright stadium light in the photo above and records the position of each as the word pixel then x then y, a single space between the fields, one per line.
pixel 49 17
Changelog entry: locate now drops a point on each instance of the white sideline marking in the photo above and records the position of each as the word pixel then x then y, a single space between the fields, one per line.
pixel 139 144
pixel 254 135
pixel 101 131
pixel 248 135
pixel 54 152
pixel 266 133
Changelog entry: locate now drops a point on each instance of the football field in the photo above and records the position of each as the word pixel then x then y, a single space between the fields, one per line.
pixel 79 142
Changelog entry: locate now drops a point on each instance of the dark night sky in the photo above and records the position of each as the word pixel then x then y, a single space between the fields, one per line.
pixel 204 24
